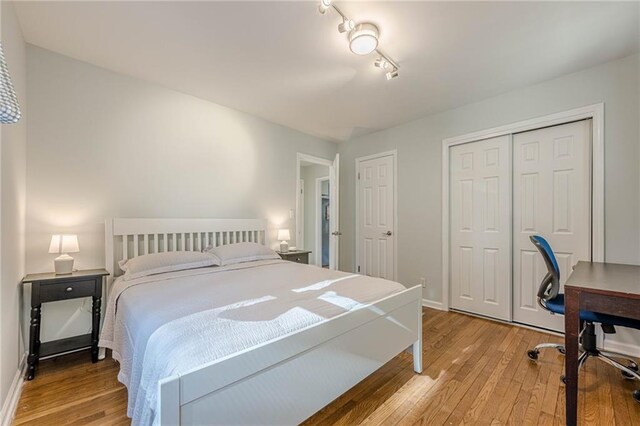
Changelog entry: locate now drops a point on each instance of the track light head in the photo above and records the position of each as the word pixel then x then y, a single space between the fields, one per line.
pixel 346 25
pixel 382 63
pixel 324 6
pixel 363 39
pixel 392 74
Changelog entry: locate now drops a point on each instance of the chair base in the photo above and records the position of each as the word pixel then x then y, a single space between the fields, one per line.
pixel 533 353
pixel 629 371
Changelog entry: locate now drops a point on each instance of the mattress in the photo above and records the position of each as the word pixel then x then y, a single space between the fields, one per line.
pixel 167 324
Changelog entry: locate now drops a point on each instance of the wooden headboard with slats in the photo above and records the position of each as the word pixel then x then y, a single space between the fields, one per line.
pixel 128 238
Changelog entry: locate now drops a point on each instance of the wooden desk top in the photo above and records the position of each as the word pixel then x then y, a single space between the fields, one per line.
pixel 606 278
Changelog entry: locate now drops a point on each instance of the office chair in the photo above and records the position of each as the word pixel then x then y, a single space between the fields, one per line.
pixel 550 299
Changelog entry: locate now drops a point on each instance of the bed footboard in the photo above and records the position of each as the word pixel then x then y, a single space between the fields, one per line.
pixel 287 380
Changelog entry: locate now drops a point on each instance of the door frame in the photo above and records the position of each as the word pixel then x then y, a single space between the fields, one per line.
pixel 300 204
pixel 594 112
pixel 318 229
pixel 394 154
pixel 300 157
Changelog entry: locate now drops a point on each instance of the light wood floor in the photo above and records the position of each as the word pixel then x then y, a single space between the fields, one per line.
pixel 476 372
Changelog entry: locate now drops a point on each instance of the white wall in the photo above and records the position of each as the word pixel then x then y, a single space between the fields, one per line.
pixel 310 174
pixel 13 138
pixel 102 144
pixel 419 145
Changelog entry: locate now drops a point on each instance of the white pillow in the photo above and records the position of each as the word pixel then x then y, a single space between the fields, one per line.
pixel 242 252
pixel 157 263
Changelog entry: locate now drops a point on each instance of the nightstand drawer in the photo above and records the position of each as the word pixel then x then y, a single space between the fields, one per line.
pixel 67 290
pixel 298 258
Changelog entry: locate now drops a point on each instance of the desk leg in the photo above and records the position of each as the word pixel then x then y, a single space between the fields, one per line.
pixel 571 333
pixel 95 329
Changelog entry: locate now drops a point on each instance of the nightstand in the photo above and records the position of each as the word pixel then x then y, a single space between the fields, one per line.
pixel 50 287
pixel 298 256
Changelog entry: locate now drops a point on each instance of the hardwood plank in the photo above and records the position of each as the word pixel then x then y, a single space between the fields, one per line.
pixel 513 378
pixel 473 382
pixel 505 394
pixel 476 372
pixel 431 404
pixel 507 351
pixel 440 408
pixel 464 343
pixel 603 389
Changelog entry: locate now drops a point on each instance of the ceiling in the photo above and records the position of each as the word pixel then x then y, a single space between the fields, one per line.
pixel 286 63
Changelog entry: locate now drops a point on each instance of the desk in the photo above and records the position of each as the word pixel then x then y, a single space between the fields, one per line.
pixel 607 288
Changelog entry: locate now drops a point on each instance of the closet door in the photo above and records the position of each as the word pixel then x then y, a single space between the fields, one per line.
pixel 480 227
pixel 551 197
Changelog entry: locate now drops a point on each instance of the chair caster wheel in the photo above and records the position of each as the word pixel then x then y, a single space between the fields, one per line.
pixel 533 354
pixel 563 379
pixel 636 395
pixel 632 366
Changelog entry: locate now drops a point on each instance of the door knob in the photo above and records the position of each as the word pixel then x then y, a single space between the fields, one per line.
pixel 388 233
pixel 336 233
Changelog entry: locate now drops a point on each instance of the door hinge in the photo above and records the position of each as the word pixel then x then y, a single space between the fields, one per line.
pixel 358 175
pixel 358 268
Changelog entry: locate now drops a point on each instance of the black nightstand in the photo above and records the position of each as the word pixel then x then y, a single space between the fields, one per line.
pixel 298 256
pixel 50 287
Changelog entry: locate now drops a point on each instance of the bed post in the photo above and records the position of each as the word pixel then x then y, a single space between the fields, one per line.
pixel 108 253
pixel 169 401
pixel 417 345
pixel 108 250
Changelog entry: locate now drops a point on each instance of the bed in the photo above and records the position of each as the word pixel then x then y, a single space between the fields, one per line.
pixel 259 342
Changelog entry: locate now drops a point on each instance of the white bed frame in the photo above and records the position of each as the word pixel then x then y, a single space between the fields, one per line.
pixel 284 381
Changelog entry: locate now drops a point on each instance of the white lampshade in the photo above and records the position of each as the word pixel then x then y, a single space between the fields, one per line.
pixel 284 235
pixel 64 244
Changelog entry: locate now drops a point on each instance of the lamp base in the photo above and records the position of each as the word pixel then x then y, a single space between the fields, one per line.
pixel 63 264
pixel 284 247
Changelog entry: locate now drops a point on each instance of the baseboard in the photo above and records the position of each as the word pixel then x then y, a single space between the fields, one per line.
pixel 11 402
pixel 623 348
pixel 433 305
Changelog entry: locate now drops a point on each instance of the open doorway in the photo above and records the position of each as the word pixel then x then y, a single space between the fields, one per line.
pixel 316 212
pixel 323 213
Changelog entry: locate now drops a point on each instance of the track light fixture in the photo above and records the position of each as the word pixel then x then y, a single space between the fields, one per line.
pixel 363 39
pixel 324 6
pixel 392 74
pixel 382 63
pixel 346 25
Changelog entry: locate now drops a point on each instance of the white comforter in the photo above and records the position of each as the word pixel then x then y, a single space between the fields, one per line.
pixel 168 324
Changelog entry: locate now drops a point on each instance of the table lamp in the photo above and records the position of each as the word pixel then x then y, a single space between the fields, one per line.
pixel 63 244
pixel 284 236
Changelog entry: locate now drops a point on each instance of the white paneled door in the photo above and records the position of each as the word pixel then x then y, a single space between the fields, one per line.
pixel 552 197
pixel 376 204
pixel 480 227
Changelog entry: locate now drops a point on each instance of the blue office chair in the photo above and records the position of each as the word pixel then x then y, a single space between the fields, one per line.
pixel 550 299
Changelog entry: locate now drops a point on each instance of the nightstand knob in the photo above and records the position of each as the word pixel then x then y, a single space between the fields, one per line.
pixel 69 289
